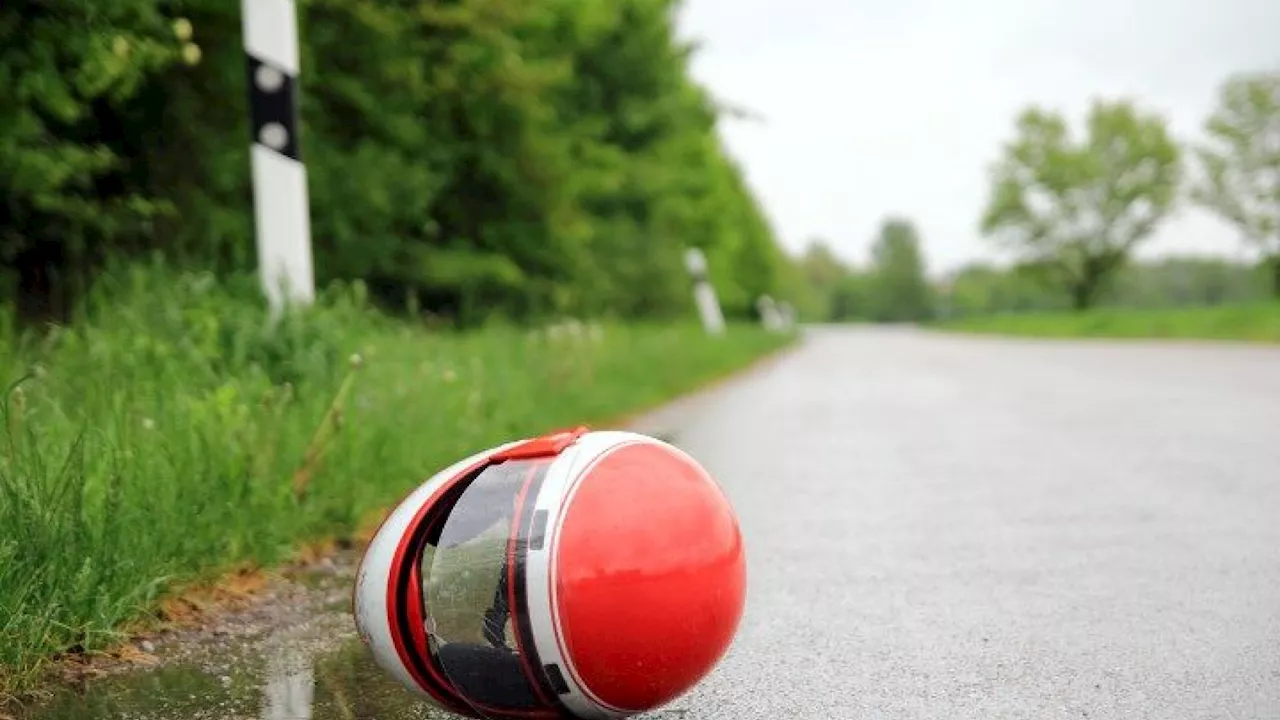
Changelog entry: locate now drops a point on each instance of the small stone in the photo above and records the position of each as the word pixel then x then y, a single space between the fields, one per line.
pixel 147 646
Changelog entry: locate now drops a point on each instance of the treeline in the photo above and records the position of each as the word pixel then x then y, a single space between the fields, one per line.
pixel 1072 208
pixel 899 291
pixel 466 157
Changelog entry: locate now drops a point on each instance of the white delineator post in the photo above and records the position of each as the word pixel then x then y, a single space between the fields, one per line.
pixel 770 314
pixel 788 316
pixel 703 293
pixel 282 215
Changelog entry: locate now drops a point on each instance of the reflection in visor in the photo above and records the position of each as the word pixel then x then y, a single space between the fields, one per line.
pixel 473 592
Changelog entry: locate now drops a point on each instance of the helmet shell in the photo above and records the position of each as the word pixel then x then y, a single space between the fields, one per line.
pixel 614 559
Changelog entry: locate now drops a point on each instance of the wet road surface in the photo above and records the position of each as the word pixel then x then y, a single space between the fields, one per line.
pixel 938 527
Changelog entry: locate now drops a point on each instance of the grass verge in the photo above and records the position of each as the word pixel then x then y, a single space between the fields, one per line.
pixel 169 437
pixel 1255 323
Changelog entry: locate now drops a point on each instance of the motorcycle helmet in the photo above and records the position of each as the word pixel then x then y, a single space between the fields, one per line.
pixel 581 574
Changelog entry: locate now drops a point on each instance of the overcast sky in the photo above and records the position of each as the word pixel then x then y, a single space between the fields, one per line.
pixel 876 107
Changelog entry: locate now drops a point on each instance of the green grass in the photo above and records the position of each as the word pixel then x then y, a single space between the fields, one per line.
pixel 1256 323
pixel 162 439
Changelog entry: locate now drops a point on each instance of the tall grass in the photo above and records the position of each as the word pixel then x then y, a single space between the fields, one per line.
pixel 170 434
pixel 1258 322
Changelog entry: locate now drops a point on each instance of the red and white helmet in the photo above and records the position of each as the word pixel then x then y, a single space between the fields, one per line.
pixel 580 574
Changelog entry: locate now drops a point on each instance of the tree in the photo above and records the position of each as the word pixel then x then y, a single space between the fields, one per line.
pixel 982 289
pixel 1080 207
pixel 821 271
pixel 852 297
pixel 900 292
pixel 1240 165
pixel 821 266
pixel 65 144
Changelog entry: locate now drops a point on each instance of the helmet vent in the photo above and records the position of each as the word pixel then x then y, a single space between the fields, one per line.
pixel 556 678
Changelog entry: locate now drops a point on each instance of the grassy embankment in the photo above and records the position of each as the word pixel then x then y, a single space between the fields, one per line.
pixel 167 439
pixel 1256 323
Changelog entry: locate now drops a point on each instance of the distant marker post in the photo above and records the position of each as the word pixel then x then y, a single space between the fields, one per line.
pixel 770 315
pixel 704 295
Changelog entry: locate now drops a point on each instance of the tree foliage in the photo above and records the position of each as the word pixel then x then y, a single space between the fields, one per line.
pixel 1080 206
pixel 811 278
pixel 899 289
pixel 469 157
pixel 1178 281
pixel 894 288
pixel 65 175
pixel 1240 165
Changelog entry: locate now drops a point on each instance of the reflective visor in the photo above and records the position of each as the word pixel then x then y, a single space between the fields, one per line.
pixel 473 602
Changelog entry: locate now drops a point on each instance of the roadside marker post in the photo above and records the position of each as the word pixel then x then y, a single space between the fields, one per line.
pixel 704 295
pixel 282 216
pixel 788 315
pixel 769 315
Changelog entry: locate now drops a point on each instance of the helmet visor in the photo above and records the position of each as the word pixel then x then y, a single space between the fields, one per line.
pixel 473 593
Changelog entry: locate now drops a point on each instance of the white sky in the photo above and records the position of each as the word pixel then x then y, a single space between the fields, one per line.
pixel 871 108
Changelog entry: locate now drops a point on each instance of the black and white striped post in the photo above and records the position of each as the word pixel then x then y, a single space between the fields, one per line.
pixel 282 216
pixel 704 295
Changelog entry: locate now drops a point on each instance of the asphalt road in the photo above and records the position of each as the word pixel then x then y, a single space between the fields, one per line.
pixel 957 527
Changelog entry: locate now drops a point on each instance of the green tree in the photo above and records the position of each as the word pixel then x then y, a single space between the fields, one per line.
pixel 899 288
pixel 982 289
pixel 812 279
pixel 853 297
pixel 1079 207
pixel 821 266
pixel 1186 281
pixel 64 140
pixel 1240 165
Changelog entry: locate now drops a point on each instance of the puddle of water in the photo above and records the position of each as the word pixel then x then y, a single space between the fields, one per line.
pixel 317 672
pixel 289 676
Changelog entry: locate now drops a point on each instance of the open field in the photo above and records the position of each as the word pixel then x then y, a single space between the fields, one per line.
pixel 168 438
pixel 1256 322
